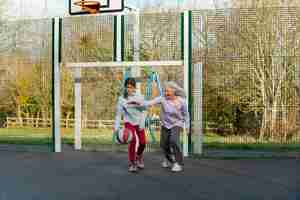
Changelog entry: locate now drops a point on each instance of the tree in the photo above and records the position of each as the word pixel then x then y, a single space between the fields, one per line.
pixel 264 3
pixel 18 87
pixel 258 51
pixel 271 49
pixel 41 90
pixel 24 56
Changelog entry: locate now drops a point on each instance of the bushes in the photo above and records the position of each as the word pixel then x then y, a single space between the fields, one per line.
pixel 3 116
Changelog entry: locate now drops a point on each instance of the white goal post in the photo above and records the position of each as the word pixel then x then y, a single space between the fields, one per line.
pixel 186 62
pixel 77 67
pixel 125 64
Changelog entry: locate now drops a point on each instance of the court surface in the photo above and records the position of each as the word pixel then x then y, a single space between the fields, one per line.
pixel 103 175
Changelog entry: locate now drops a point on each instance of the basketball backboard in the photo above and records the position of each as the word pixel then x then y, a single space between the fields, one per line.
pixel 106 6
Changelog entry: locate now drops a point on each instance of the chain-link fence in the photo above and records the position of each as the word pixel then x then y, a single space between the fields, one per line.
pixel 249 60
pixel 251 74
pixel 26 81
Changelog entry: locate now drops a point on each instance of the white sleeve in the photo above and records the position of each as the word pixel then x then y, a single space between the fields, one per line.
pixel 142 120
pixel 118 114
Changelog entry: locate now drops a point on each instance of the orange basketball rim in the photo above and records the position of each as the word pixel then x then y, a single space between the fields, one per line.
pixel 88 6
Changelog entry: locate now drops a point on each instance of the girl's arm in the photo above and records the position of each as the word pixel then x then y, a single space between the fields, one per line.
pixel 156 100
pixel 118 115
pixel 145 103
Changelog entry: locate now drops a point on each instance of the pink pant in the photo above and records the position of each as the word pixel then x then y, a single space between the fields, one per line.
pixel 137 144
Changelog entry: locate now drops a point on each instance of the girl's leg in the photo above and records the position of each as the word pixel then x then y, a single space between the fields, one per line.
pixel 132 144
pixel 142 141
pixel 141 148
pixel 164 143
pixel 175 144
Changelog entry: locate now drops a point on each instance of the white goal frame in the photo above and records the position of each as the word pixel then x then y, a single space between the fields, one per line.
pixel 125 64
pixel 186 62
pixel 77 67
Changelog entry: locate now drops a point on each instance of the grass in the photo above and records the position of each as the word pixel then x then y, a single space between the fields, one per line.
pixel 40 136
pixel 92 139
pixel 262 147
pixel 214 141
pixel 25 136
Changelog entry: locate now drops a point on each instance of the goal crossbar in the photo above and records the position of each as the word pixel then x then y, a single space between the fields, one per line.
pixel 175 63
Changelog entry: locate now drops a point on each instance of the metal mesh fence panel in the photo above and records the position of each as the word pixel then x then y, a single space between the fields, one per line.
pixel 87 39
pixel 102 87
pixel 251 66
pixel 249 62
pixel 159 36
pixel 154 37
pixel 25 81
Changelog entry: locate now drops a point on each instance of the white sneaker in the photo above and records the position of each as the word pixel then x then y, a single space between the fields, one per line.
pixel 132 168
pixel 176 167
pixel 166 164
pixel 140 164
pixel 173 158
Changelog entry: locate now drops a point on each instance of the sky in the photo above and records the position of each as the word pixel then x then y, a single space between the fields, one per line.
pixel 52 8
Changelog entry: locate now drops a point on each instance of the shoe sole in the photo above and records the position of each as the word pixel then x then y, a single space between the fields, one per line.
pixel 177 170
pixel 133 170
pixel 166 166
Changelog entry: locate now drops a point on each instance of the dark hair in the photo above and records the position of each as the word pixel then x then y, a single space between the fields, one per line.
pixel 128 81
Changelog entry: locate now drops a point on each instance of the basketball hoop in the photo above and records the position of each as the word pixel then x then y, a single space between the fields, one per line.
pixel 92 7
pixel 86 7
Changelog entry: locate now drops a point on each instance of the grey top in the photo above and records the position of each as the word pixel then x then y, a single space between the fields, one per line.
pixel 173 113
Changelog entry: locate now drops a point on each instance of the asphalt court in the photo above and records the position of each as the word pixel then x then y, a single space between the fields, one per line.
pixel 103 175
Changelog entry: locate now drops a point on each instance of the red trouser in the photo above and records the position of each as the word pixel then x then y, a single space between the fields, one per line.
pixel 137 144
